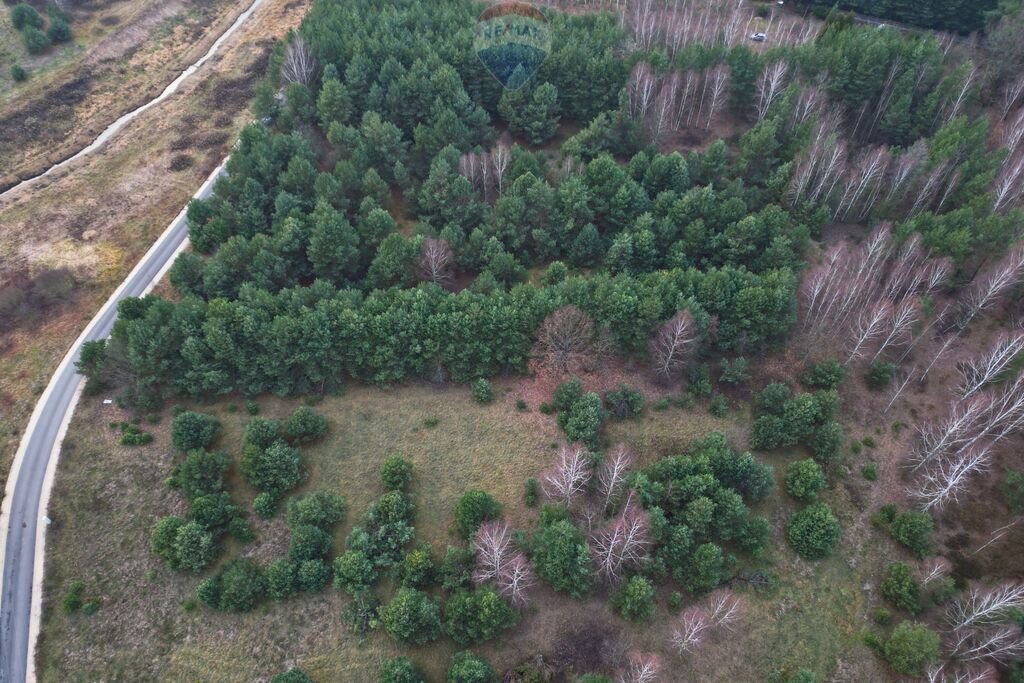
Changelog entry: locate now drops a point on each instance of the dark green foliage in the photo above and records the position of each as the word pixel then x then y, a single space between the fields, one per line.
pixel 24 14
pixel 719 406
pixel 214 511
pixel 261 432
pixel 957 16
pixel 910 648
pixel 635 599
pixel 385 530
pixel 73 600
pixel 531 492
pixel 583 419
pixel 353 572
pixel 531 112
pixel 18 74
pixel 58 31
pixel 304 425
pixel 456 568
pixel 813 531
pixel 901 588
pixel 566 395
pixel 787 420
pixel 396 473
pixel 880 374
pixel 913 530
pixel 1013 490
pixel 482 391
pixel 293 675
pixel 190 430
pixel 624 402
pixel 472 617
pixel 200 473
pixel 313 575
pixel 561 557
pixel 238 587
pixel 308 543
pixel 734 372
pixel 36 42
pixel 869 471
pixel 320 509
pixel 275 469
pixel 472 509
pixel 417 568
pixel 131 435
pixel 182 544
pixel 411 617
pixel 466 667
pixel 804 480
pixel 282 579
pixel 399 670
pixel 265 505
pixel 828 374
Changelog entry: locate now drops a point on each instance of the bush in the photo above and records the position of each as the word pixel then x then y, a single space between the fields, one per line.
pixel 417 568
pixel 531 492
pixel 901 589
pixel 261 432
pixel 1013 490
pixel 18 73
pixel 521 405
pixel 869 471
pixel 473 509
pixel 583 420
pixel 304 425
pixel 353 572
pixel 320 509
pixel 482 391
pixel 913 530
pixel 294 675
pixel 804 480
pixel 24 14
pixel 734 372
pixel 910 648
pixel 265 505
pixel 828 374
pixel 466 667
pixel 36 42
pixel 814 531
pixel 719 406
pixel 193 547
pixel 561 557
pixel 191 430
pixel 635 599
pixel 396 473
pixel 313 575
pixel 133 436
pixel 624 402
pixel 674 602
pixel 566 395
pixel 880 374
pixel 399 670
pixel 239 587
pixel 200 473
pixel 72 601
pixel 309 543
pixel 58 30
pixel 273 470
pixel 475 616
pixel 282 579
pixel 411 617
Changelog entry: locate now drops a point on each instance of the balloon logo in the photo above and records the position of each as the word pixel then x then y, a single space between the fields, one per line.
pixel 512 40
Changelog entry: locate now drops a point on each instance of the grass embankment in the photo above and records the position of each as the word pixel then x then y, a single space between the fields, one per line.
pixel 107 497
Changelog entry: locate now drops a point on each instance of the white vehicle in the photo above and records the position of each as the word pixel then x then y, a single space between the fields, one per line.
pixel 759 37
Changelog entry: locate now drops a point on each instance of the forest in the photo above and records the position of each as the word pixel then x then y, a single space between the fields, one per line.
pixel 793 227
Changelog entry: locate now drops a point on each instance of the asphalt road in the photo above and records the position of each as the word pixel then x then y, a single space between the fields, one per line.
pixel 41 442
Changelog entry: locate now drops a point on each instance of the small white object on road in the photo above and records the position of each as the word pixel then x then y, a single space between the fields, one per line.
pixel 47 521
pixel 107 401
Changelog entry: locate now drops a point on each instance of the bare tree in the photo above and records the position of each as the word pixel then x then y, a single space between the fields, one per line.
pixel 724 608
pixel 981 607
pixel 946 478
pixel 568 477
pixel 567 341
pixel 1012 92
pixel 987 289
pixel 966 422
pixel 492 543
pixel 641 88
pixel 719 78
pixel 501 157
pixel 516 579
pixel 673 345
pixel 622 543
pixel 869 326
pixel 863 184
pixel 770 87
pixel 642 668
pixel 900 325
pixel 691 630
pixel 976 373
pixel 613 473
pixel 299 65
pixel 1013 133
pixel 960 96
pixel 1009 184
pixel 436 261
pixel 942 674
pixel 1001 644
pixel 935 568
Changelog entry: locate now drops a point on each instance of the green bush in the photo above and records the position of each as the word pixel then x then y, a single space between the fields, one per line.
pixel 804 480
pixel 304 425
pixel 583 419
pixel 624 402
pixel 719 406
pixel 24 14
pixel 456 569
pixel 910 648
pixel 238 587
pixel 353 572
pixel 635 599
pixel 282 579
pixel 482 391
pixel 880 374
pixel 396 473
pixel 252 407
pixel 531 492
pixel 320 509
pixel 58 31
pixel 309 543
pixel 90 608
pixel 294 675
pixel 828 374
pixel 191 430
pixel 674 601
pixel 869 471
pixel 561 557
pixel 273 470
pixel 313 575
pixel 399 670
pixel 18 73
pixel 417 568
pixel 521 405
pixel 734 372
pixel 566 395
pixel 474 508
pixel 475 616
pixel 466 667
pixel 265 505
pixel 1013 490
pixel 411 617
pixel 133 436
pixel 72 601
pixel 814 531
pixel 913 530
pixel 901 588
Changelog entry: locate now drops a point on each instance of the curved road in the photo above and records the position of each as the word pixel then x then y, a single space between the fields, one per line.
pixel 22 532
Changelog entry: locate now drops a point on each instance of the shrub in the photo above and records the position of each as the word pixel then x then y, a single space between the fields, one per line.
pixel 411 617
pixel 282 579
pixel 308 543
pixel 901 589
pixel 399 670
pixel 828 374
pixel 24 14
pixel 36 42
pixel 320 509
pixel 566 395
pixel 826 441
pixel 304 425
pixel 89 608
pixel 910 648
pixel 869 471
pixel 880 374
pixel 261 432
pixel 294 675
pixel 546 408
pixel 58 31
pixel 353 572
pixel 475 616
pixel 635 599
pixel 881 616
pixel 237 588
pixel 814 531
pixel 417 568
pixel 624 402
pixel 273 470
pixel 214 511
pixel 562 558
pixel 734 372
pixel 466 667
pixel 18 73
pixel 265 505
pixel 193 547
pixel 482 391
pixel 191 430
pixel 804 480
pixel 674 601
pixel 396 473
pixel 719 406
pixel 72 601
pixel 521 405
pixel 474 508
pixel 133 436
pixel 531 492
pixel 252 407
pixel 1013 490
pixel 772 398
pixel 313 575
pixel 704 569
pixel 913 530
pixel 583 420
